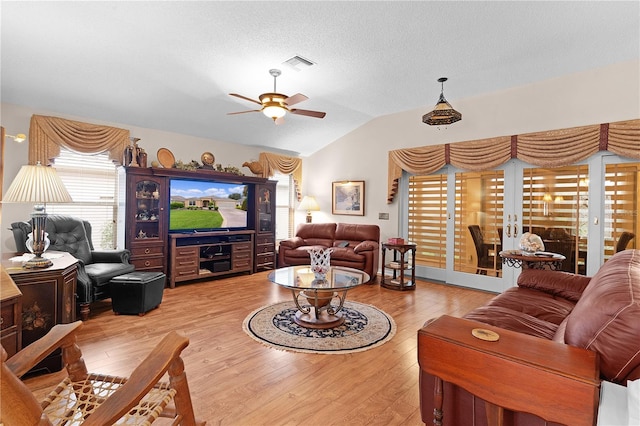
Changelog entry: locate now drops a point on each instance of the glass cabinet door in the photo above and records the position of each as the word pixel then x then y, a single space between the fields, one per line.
pixel 266 209
pixel 147 210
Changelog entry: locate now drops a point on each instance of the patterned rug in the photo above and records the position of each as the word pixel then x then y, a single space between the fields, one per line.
pixel 365 327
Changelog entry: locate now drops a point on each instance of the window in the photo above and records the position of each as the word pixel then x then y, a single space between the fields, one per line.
pixel 91 181
pixel 428 219
pixel 622 183
pixel 479 206
pixel 285 201
pixel 555 206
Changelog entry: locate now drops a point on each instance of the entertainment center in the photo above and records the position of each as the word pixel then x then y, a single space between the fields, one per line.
pixel 209 254
pixel 198 224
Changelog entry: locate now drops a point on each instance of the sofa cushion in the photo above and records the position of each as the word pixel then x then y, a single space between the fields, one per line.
pixel 606 319
pixel 524 310
pixel 354 233
pixel 302 252
pixel 317 234
pixel 102 273
pixel 346 254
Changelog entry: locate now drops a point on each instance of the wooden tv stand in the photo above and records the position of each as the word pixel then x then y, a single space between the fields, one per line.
pixel 209 254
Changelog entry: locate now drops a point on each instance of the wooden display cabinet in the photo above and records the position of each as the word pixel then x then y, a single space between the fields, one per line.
pixel 154 248
pixel 265 250
pixel 146 217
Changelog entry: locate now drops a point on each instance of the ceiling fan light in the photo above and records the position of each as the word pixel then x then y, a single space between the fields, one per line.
pixel 274 111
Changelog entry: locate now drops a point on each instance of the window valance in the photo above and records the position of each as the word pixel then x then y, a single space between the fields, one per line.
pixel 287 165
pixel 48 134
pixel 554 148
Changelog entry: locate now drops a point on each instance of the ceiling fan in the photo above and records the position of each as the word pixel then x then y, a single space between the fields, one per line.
pixel 276 105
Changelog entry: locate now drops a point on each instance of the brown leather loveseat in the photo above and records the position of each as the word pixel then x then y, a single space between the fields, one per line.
pixel 601 314
pixel 354 246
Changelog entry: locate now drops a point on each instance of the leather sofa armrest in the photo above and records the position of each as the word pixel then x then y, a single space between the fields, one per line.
pixel 366 246
pixel 292 243
pixel 558 283
pixel 110 256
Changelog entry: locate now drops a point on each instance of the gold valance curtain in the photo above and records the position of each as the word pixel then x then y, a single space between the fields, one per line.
pixel 287 165
pixel 553 148
pixel 48 134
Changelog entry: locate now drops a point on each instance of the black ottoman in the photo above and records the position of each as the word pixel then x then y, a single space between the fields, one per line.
pixel 137 292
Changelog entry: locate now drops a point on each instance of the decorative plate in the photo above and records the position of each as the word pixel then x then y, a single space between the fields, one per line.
pixel 484 334
pixel 166 158
pixel 207 158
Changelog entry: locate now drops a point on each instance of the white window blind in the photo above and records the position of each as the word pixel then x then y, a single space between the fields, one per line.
pixel 91 181
pixel 284 206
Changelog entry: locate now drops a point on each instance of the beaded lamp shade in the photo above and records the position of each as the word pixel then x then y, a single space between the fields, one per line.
pixel 443 113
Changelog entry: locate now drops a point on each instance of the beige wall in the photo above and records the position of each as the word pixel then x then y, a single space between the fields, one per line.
pixel 16 119
pixel 596 96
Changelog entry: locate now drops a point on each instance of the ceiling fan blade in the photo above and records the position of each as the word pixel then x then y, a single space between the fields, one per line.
pixel 243 112
pixel 279 121
pixel 245 98
pixel 297 98
pixel 316 114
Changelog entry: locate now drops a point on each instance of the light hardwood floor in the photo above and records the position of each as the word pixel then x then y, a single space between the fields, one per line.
pixel 237 381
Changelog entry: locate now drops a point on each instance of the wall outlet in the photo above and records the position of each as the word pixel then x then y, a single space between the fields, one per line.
pixel 383 216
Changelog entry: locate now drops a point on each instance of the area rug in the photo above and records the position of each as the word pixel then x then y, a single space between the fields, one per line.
pixel 365 327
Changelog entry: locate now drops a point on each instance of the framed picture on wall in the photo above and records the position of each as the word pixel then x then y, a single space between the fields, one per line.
pixel 347 197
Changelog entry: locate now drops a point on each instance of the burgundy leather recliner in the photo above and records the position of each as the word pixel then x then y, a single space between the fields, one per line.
pixel 599 313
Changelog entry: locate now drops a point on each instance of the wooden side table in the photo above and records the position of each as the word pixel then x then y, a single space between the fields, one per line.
pixel 11 307
pixel 557 382
pixel 399 266
pixel 48 298
pixel 542 260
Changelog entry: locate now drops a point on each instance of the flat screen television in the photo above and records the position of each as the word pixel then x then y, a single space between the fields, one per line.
pixel 207 205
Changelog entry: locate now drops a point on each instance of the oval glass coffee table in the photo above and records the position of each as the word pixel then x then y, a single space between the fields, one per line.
pixel 313 297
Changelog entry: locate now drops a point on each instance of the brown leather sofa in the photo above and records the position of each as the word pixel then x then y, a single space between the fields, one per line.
pixel 354 246
pixel 601 313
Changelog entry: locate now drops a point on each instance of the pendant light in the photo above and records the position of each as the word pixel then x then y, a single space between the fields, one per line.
pixel 443 113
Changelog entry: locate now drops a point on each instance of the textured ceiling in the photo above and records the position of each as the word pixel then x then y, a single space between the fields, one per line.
pixel 171 65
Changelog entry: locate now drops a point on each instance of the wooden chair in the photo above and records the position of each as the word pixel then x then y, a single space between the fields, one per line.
pixel 485 258
pixel 623 241
pixel 96 399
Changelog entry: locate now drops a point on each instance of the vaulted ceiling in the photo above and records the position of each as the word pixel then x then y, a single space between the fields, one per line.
pixel 171 65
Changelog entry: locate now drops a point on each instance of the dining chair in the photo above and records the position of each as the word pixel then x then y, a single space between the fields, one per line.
pixel 624 240
pixel 485 259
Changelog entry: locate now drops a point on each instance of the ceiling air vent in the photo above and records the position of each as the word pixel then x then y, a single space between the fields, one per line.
pixel 298 62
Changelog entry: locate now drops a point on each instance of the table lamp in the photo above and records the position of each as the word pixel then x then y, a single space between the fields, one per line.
pixel 40 185
pixel 309 204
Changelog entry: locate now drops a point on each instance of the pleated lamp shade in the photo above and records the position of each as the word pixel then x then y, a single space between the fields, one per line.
pixel 37 184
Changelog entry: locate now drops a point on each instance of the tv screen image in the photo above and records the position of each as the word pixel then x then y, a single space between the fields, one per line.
pixel 201 205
